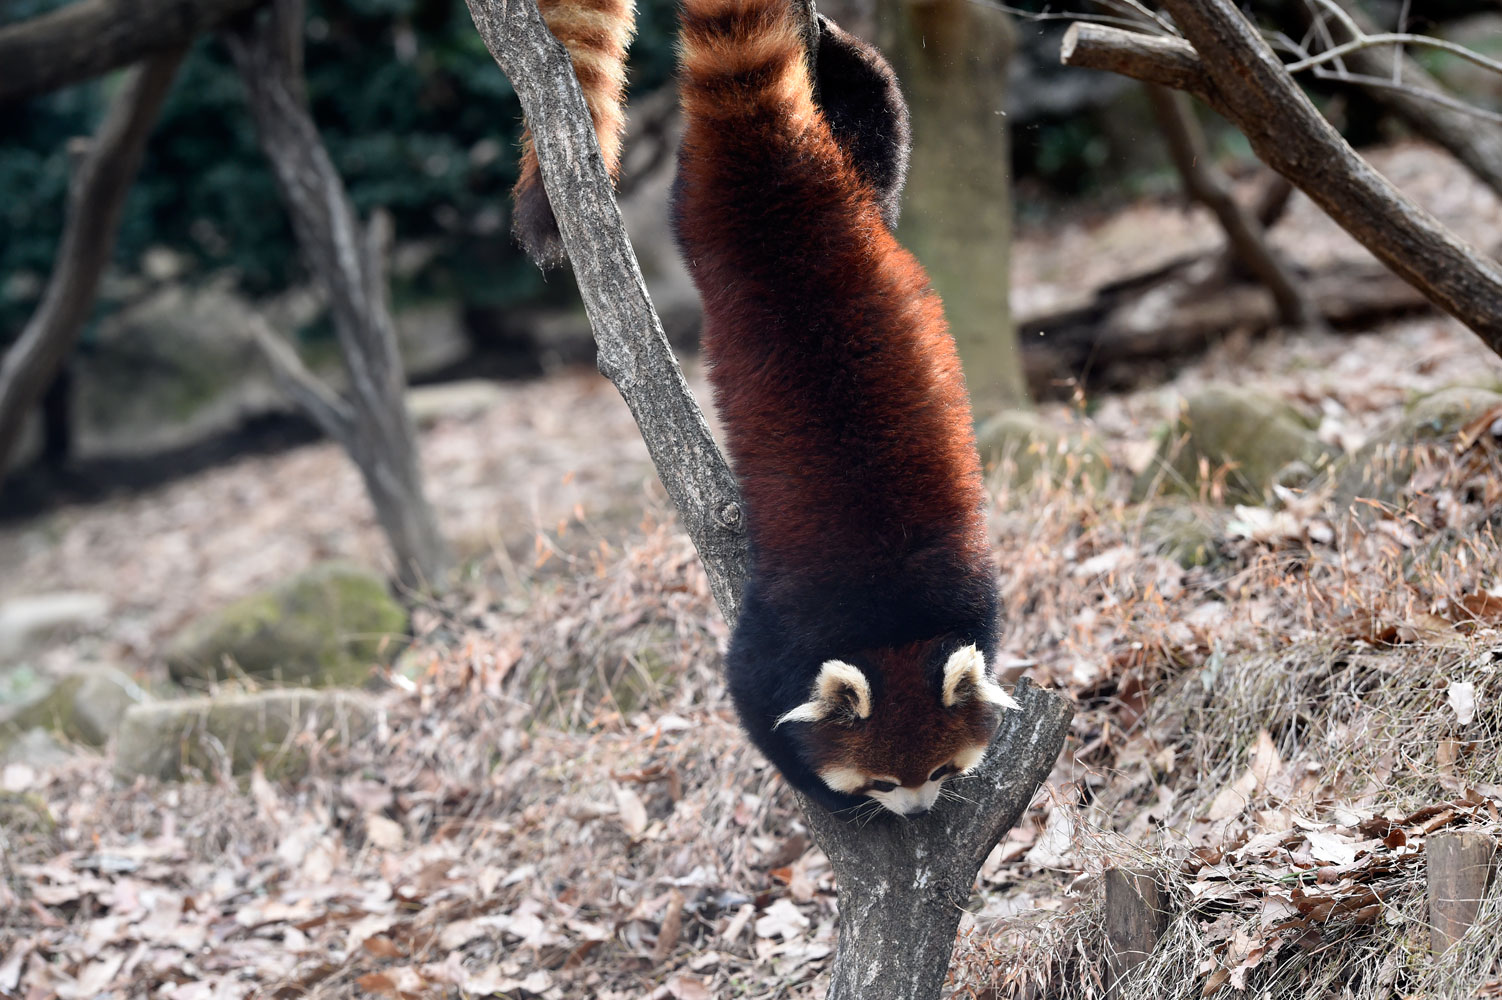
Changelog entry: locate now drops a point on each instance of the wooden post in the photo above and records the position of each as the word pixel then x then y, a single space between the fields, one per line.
pixel 1136 915
pixel 1460 866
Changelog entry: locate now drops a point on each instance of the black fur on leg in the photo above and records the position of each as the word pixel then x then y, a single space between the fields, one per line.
pixel 861 98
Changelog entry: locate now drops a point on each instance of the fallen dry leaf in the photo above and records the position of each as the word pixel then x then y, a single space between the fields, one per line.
pixel 1461 696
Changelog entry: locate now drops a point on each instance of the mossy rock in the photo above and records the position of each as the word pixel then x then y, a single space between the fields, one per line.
pixel 1188 534
pixel 326 628
pixel 207 735
pixel 1253 440
pixel 1380 469
pixel 1027 447
pixel 83 707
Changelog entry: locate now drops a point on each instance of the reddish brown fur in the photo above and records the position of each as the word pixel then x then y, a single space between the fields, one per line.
pixel 834 371
pixel 595 33
pixel 845 413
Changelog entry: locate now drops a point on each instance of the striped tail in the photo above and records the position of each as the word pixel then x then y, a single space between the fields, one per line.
pixel 595 33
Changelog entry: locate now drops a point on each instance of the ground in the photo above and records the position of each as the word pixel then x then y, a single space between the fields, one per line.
pixel 557 801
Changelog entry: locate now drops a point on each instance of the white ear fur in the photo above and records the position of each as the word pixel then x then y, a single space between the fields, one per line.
pixel 965 677
pixel 837 682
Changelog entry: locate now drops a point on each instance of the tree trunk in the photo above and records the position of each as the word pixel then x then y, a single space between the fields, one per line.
pixel 952 58
pixel 348 264
pixel 95 201
pixel 87 38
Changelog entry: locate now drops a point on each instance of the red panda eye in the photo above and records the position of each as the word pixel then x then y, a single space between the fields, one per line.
pixel 943 772
pixel 883 786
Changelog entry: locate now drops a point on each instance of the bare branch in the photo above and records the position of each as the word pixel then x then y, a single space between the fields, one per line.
pixel 1211 188
pixel 1389 39
pixel 327 408
pixel 1242 79
pixel 95 201
pixel 1420 100
pixel 86 38
pixel 1168 62
pixel 1427 97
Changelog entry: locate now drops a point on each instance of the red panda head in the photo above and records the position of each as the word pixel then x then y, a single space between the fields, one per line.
pixel 894 731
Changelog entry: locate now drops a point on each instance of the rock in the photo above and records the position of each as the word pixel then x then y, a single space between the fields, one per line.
pixel 325 627
pixel 1381 468
pixel 1250 438
pixel 35 748
pixel 83 707
pixel 463 400
pixel 26 621
pixel 169 370
pixel 1186 533
pixel 207 735
pixel 1025 445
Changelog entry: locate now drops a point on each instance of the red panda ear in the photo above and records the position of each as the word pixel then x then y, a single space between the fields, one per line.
pixel 839 690
pixel 966 680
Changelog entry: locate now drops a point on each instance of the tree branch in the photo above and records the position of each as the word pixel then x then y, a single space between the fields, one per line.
pixel 95 200
pixel 633 351
pixel 1206 184
pixel 87 38
pixel 1420 99
pixel 327 408
pixel 1167 62
pixel 383 442
pixel 1248 85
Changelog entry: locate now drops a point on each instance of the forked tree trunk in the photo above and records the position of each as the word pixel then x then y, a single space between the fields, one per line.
pixel 901 883
pixel 96 199
pixel 372 424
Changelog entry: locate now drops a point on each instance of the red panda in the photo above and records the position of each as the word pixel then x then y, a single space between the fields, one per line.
pixel 859 662
pixel 595 33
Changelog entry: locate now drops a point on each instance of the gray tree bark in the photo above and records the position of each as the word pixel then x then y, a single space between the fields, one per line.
pixel 1226 62
pixel 952 57
pixel 87 38
pixel 373 426
pixel 95 201
pixel 900 882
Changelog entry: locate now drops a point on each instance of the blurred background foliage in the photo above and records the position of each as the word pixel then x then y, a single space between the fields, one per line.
pixel 412 108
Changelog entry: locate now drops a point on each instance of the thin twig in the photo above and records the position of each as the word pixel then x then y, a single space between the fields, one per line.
pixel 1395 38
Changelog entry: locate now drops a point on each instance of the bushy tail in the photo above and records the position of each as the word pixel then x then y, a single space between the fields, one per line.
pixel 763 178
pixel 595 33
